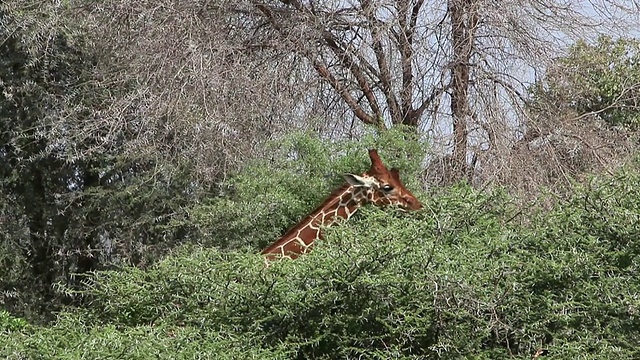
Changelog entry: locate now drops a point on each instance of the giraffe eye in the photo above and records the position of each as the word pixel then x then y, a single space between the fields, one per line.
pixel 387 188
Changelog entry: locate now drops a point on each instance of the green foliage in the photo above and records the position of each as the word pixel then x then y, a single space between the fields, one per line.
pixel 470 276
pixel 70 338
pixel 9 323
pixel 601 78
pixel 65 207
pixel 39 72
pixel 583 266
pixel 269 196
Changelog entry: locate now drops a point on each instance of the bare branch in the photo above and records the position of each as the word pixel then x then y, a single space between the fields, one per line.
pixel 378 49
pixel 344 93
pixel 350 64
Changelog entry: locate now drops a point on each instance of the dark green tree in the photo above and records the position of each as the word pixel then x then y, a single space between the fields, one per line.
pixel 72 200
pixel 602 79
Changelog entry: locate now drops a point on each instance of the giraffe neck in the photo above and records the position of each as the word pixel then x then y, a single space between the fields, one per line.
pixel 342 203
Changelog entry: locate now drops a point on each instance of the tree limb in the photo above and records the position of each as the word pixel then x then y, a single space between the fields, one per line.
pixel 348 98
pixel 385 76
pixel 347 61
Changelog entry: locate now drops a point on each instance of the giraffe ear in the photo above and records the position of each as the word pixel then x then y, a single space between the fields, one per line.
pixel 356 180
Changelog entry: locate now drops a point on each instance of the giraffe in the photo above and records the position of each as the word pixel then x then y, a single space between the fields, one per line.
pixel 378 186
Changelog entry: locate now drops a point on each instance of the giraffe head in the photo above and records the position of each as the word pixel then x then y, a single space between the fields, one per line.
pixel 383 186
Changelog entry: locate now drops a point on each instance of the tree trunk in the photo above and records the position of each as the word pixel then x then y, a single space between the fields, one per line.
pixel 463 24
pixel 39 254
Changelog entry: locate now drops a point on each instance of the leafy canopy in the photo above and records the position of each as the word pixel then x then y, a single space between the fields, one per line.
pixel 601 78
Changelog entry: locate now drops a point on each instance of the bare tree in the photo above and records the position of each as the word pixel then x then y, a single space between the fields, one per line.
pixel 364 51
pixel 214 78
pixel 458 69
pixel 187 84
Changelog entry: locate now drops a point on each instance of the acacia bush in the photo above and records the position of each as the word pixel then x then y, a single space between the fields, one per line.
pixel 472 275
pixel 72 338
pixel 258 204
